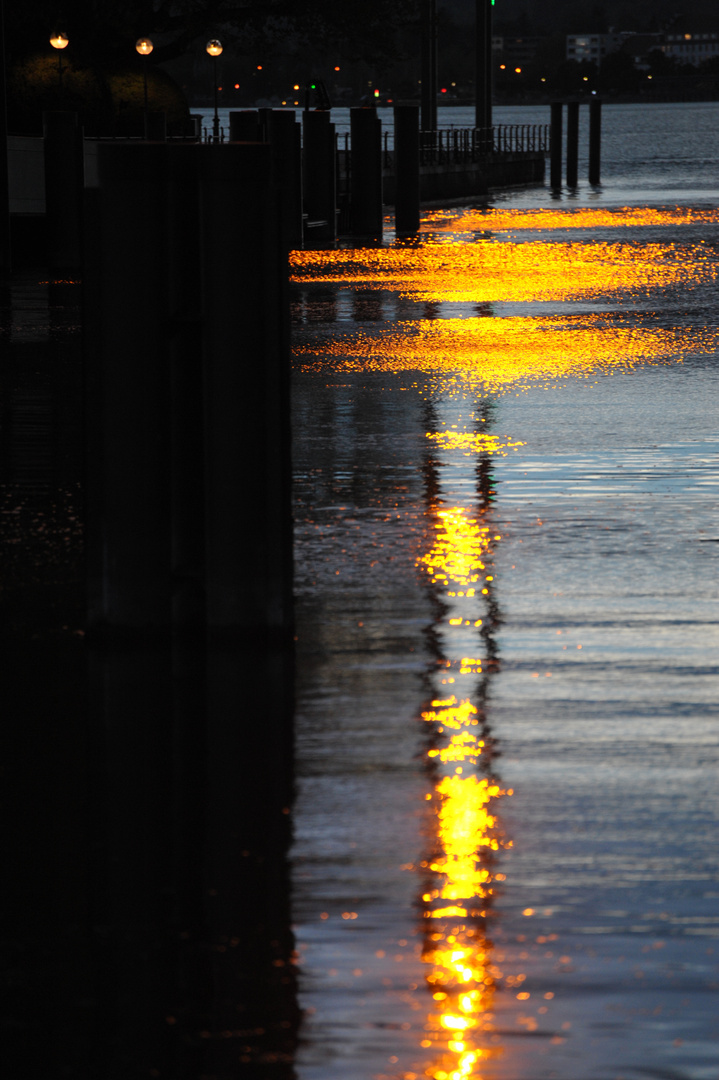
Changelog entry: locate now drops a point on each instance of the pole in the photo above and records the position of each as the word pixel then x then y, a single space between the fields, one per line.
pixel 595 139
pixel 144 82
pixel 483 65
pixel 216 119
pixel 572 143
pixel 429 65
pixel 555 146
pixel 5 255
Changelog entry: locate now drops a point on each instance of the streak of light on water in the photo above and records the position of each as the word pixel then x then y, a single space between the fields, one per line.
pixel 507 543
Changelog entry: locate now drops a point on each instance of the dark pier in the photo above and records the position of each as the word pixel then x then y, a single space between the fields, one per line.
pixel 148 629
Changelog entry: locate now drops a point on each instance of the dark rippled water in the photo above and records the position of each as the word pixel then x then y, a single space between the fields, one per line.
pixel 588 950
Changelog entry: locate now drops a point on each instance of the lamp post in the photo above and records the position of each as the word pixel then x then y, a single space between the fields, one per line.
pixel 144 47
pixel 214 49
pixel 59 42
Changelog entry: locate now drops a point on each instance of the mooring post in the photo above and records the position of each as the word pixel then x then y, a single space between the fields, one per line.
pixel 572 143
pixel 64 183
pixel 319 178
pixel 283 133
pixel 555 146
pixel 595 139
pixel 245 126
pixel 366 173
pixel 406 168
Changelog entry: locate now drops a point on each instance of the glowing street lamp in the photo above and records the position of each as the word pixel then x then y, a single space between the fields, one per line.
pixel 214 49
pixel 59 42
pixel 144 47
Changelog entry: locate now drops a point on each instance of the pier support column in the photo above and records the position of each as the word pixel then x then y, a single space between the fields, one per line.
pixel 283 133
pixel 555 146
pixel 246 387
pixel 319 179
pixel 189 513
pixel 128 394
pixel 245 126
pixel 572 143
pixel 406 168
pixel 366 173
pixel 595 139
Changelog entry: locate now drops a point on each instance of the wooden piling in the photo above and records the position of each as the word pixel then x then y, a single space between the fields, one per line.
pixel 572 143
pixel 555 146
pixel 284 134
pixel 406 168
pixel 319 180
pixel 595 140
pixel 366 173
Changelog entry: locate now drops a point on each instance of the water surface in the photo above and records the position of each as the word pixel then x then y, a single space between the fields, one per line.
pixel 507 538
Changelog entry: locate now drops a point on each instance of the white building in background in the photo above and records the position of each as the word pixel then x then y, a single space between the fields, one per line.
pixel 691 48
pixel 593 46
pixel 686 48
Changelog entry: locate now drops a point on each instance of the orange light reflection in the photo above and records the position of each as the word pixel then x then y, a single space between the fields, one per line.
pixel 460 221
pixel 489 271
pixel 498 353
pixel 459 873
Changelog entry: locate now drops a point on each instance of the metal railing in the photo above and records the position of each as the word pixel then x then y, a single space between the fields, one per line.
pixel 456 145
pixel 459 145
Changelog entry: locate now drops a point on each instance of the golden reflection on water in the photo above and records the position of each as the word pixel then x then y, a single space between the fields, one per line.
pixel 473 442
pixel 504 351
pixel 468 220
pixel 484 355
pixel 463 831
pixel 499 352
pixel 489 271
